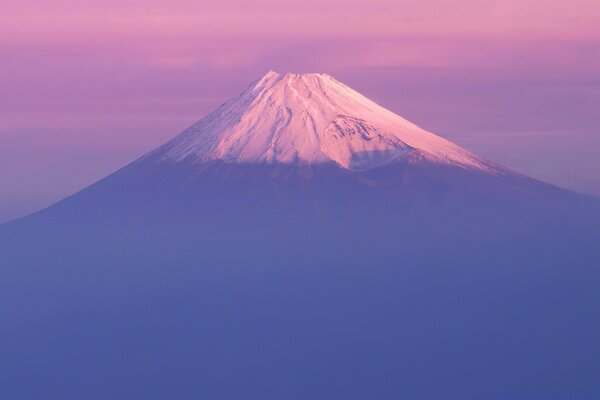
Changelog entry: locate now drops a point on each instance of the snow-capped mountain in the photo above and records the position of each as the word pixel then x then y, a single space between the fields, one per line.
pixel 309 119
pixel 303 242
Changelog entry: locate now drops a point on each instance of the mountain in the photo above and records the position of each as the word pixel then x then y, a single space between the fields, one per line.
pixel 301 241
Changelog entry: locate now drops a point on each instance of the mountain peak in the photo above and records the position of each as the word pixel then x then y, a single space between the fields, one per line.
pixel 294 75
pixel 309 119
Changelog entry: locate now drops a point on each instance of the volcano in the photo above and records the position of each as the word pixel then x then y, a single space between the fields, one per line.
pixel 302 241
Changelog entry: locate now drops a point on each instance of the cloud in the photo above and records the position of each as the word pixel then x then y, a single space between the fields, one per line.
pixel 27 20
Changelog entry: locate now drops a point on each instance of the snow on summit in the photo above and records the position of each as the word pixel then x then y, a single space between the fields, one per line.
pixel 310 119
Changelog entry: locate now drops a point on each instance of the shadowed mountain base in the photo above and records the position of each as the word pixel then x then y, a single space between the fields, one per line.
pixel 228 281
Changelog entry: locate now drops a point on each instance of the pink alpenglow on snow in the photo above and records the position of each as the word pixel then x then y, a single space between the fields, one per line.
pixel 310 119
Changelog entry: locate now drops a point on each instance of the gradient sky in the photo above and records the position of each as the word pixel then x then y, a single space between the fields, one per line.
pixel 87 86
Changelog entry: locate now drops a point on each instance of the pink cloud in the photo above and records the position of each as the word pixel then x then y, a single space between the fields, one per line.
pixel 291 19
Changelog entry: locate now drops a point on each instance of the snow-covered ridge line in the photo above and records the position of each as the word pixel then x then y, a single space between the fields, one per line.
pixel 309 118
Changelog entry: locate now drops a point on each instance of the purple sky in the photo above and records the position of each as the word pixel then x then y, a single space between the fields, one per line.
pixel 86 87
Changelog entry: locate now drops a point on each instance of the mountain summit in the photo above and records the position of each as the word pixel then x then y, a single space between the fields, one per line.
pixel 310 119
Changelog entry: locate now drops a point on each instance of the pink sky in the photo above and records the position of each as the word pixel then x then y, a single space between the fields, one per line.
pixel 88 86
